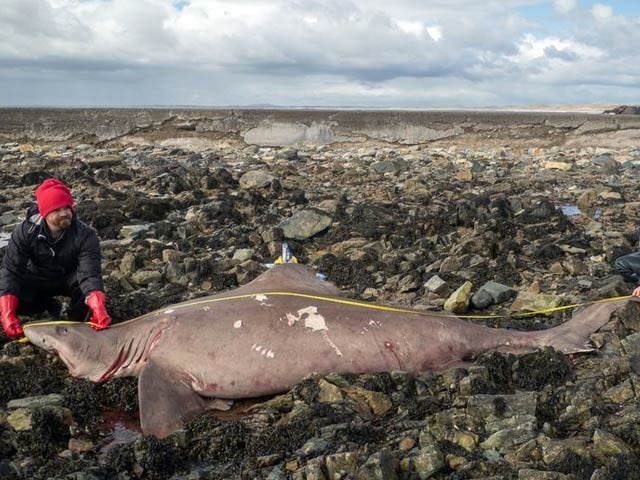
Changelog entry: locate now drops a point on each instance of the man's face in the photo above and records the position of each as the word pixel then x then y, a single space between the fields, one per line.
pixel 59 219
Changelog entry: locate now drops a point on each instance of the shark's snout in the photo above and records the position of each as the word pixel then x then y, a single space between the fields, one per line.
pixel 46 335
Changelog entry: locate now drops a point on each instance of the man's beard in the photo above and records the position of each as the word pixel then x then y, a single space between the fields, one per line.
pixel 63 223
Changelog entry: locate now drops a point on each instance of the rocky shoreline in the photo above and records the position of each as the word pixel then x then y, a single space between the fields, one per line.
pixel 424 224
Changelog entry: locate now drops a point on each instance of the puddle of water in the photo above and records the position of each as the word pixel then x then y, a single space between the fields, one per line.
pixel 570 210
pixel 118 429
pixel 574 211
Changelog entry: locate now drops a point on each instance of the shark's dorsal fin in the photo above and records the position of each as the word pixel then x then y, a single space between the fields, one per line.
pixel 290 277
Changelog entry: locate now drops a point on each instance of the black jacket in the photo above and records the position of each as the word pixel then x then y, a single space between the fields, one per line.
pixel 31 250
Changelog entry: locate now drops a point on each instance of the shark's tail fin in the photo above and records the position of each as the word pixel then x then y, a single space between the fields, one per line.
pixel 573 336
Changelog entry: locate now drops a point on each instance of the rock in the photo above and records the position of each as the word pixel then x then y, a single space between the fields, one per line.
pixel 146 277
pixel 21 419
pixel 498 292
pixel 389 166
pixel 256 179
pixel 305 224
pixel 378 466
pixel 458 301
pixel 328 392
pixel 529 302
pixel 624 110
pixel 435 284
pixel 531 474
pixel 379 403
pixel 134 231
pixel 102 161
pixel 50 400
pixel 621 393
pixel 565 166
pixel 340 465
pixel 81 445
pixel 481 299
pixel 606 444
pixel 428 461
pixel 242 255
pixel 505 438
pixel 276 474
pixel 502 406
pixel 10 218
pixel 314 447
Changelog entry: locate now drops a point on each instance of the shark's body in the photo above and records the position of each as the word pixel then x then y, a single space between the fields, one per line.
pixel 266 336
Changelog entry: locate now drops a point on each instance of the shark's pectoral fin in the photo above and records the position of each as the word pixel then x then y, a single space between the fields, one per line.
pixel 166 400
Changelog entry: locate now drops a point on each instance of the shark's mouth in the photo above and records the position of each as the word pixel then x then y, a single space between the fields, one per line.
pixel 65 360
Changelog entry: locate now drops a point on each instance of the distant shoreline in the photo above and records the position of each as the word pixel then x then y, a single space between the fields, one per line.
pixel 589 109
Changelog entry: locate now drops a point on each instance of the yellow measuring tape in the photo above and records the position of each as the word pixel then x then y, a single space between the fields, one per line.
pixel 397 309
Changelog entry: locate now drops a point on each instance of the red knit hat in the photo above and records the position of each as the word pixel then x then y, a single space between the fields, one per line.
pixel 51 195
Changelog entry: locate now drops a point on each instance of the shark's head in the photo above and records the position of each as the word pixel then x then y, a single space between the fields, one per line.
pixel 85 352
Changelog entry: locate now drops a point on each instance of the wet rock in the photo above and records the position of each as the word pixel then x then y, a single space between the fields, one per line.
pixel 305 224
pixel 531 474
pixel 498 292
pixel 481 299
pixel 133 231
pixel 428 461
pixel 340 465
pixel 102 161
pixel 50 400
pixel 256 179
pixel 435 284
pixel 379 466
pixel 146 277
pixel 529 302
pixel 378 402
pixel 328 392
pixel 606 444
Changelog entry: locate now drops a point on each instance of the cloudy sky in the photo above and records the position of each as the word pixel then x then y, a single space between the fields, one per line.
pixel 359 53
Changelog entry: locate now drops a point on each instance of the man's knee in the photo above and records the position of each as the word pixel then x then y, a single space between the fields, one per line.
pixel 620 264
pixel 628 266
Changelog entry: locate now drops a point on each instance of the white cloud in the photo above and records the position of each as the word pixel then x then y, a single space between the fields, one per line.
pixel 601 12
pixel 531 48
pixel 315 51
pixel 435 32
pixel 565 6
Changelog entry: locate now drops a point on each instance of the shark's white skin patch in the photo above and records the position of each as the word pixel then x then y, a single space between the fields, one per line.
pixel 237 324
pixel 264 351
pixel 260 297
pixel 325 335
pixel 313 321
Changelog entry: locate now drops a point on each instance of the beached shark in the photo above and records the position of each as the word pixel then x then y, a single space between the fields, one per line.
pixel 264 337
